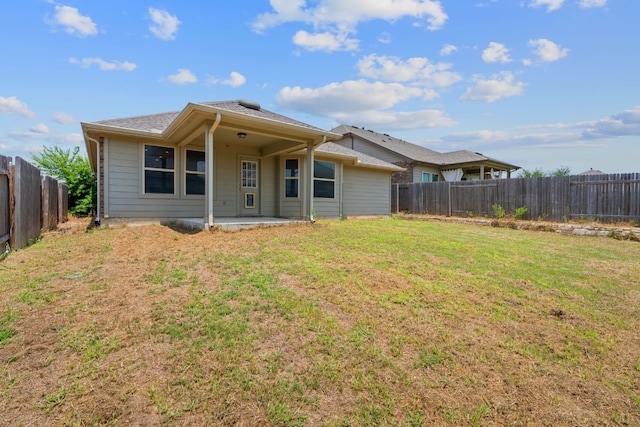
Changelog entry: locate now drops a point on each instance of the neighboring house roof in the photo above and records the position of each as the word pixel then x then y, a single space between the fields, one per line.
pixel 416 152
pixel 399 146
pixel 592 172
pixel 362 159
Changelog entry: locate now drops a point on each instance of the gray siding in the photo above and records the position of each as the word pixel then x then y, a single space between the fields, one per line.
pixel 370 149
pixel 330 208
pixel 418 169
pixel 125 198
pixel 269 187
pixel 366 192
pixel 226 183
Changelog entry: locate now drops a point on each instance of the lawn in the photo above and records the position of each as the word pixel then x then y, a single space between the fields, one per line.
pixel 343 323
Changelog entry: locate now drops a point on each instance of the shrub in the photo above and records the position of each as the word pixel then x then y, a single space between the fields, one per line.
pixel 498 211
pixel 520 212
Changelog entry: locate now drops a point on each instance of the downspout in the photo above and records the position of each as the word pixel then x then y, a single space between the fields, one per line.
pixel 209 168
pixel 97 219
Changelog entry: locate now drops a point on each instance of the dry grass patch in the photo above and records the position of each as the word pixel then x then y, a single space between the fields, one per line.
pixel 372 322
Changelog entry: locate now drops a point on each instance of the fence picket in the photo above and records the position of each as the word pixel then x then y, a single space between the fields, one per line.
pixel 29 203
pixel 614 197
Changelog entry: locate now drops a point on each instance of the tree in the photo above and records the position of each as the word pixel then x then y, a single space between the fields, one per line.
pixel 561 171
pixel 539 173
pixel 536 173
pixel 75 171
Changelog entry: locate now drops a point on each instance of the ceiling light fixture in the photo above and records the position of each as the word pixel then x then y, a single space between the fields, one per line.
pixel 242 135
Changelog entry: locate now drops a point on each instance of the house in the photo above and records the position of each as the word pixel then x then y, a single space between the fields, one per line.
pixel 422 164
pixel 229 159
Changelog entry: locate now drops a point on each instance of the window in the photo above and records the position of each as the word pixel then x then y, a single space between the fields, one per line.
pixel 249 174
pixel 195 172
pixel 291 177
pixel 430 177
pixel 159 170
pixel 324 180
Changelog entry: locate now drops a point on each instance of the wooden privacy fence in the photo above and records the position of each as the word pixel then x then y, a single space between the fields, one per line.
pixel 29 203
pixel 605 198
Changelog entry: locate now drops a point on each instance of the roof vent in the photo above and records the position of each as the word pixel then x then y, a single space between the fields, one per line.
pixel 249 104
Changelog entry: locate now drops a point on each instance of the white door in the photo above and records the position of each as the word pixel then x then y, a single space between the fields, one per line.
pixel 249 188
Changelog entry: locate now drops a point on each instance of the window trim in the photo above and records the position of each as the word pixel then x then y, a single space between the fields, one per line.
pixel 144 169
pixel 186 172
pixel 292 178
pixel 242 177
pixel 334 180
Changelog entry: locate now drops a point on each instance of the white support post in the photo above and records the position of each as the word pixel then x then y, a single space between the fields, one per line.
pixel 310 160
pixel 208 188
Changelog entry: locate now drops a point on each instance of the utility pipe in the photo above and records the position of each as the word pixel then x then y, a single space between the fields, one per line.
pixel 209 174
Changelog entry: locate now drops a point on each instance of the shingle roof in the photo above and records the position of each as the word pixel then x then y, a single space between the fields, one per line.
pixel 238 106
pixel 157 123
pixel 416 152
pixel 404 148
pixel 363 159
pixel 149 123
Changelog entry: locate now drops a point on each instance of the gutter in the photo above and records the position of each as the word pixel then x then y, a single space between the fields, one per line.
pixel 96 221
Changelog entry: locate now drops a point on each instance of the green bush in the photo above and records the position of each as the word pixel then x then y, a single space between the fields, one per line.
pixel 520 212
pixel 498 211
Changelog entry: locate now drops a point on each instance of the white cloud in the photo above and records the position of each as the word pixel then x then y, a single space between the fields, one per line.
pixel 586 4
pixel 417 70
pixel 547 50
pixel 340 19
pixel 235 80
pixel 351 95
pixel 183 76
pixel 104 65
pixel 13 105
pixel 74 23
pixel 164 25
pixel 500 86
pixel 384 38
pixel 626 123
pixel 42 133
pixel 63 118
pixel 40 128
pixel 496 52
pixel 397 120
pixel 550 4
pixel 448 49
pixel 363 102
pixel 623 124
pixel 325 41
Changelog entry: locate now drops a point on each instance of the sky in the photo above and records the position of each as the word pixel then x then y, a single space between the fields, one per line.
pixel 542 84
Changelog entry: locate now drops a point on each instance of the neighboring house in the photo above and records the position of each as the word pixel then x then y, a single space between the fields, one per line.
pixel 230 159
pixel 592 172
pixel 422 164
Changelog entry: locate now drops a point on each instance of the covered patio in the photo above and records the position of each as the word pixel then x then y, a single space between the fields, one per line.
pixel 238 223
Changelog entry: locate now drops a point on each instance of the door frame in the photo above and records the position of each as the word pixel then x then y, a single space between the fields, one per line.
pixel 249 197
